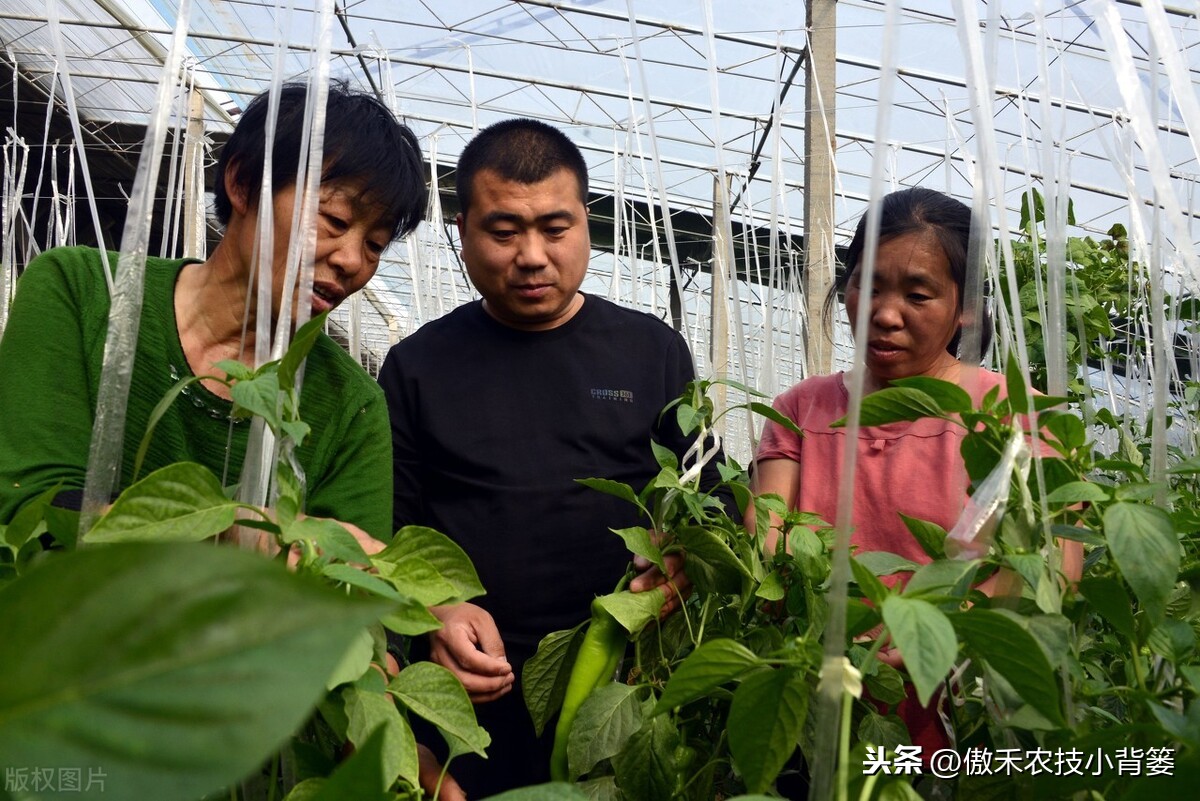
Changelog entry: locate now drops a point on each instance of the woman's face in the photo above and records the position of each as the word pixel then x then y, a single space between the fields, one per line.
pixel 351 237
pixel 913 311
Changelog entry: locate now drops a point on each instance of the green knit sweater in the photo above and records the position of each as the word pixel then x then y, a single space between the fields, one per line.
pixel 50 362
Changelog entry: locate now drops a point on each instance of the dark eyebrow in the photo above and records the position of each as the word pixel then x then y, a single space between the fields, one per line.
pixel 550 216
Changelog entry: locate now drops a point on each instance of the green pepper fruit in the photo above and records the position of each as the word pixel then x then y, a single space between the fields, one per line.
pixel 602 648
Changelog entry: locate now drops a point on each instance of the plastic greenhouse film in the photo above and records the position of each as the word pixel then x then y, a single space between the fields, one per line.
pixel 108 430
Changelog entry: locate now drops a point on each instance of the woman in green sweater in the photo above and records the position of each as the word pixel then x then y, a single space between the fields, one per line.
pixel 196 313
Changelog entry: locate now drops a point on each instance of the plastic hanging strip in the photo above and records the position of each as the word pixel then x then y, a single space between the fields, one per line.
pixel 830 689
pixel 1166 204
pixel 652 219
pixel 1145 133
pixel 47 151
pixel 255 478
pixel 1056 200
pixel 60 56
pixel 16 163
pixel 657 162
pixel 120 347
pixel 172 198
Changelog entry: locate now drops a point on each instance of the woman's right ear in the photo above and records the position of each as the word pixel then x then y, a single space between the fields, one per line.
pixel 238 196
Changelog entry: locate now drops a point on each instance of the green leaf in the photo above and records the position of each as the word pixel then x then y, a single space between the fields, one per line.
pixel 1079 492
pixel 27 523
pixel 714 663
pixel 633 610
pixel 450 561
pixel 1015 654
pixel 945 577
pixel 1188 467
pixel 894 404
pixel 728 571
pixel 374 714
pixel 360 776
pixel 885 684
pixel 417 578
pixel 776 417
pixel 645 767
pixel 433 693
pixel 348 574
pixel 1142 541
pixel 1138 491
pixel 354 662
pixel 1015 385
pixel 871 586
pixel 329 536
pixel 765 719
pixel 614 488
pixel 639 542
pixel 879 730
pixel 885 563
pixel 1173 639
pixel 1108 597
pixel 1065 427
pixel 930 536
pixel 925 639
pixel 665 457
pixel 1029 566
pixel 159 410
pixel 178 668
pixel 545 675
pixel 771 588
pixel 411 618
pixel 948 396
pixel 606 721
pixel 182 502
pixel 260 396
pixel 302 342
pixel 233 370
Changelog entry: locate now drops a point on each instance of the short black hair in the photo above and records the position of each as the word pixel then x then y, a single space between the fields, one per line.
pixel 521 150
pixel 364 143
pixel 919 209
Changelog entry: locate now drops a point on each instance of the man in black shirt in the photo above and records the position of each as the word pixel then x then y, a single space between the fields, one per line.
pixel 497 408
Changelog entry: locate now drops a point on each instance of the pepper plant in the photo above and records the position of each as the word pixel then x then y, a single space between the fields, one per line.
pixel 716 701
pixel 160 667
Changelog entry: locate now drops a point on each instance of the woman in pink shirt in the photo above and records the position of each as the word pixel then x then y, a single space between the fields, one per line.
pixel 915 323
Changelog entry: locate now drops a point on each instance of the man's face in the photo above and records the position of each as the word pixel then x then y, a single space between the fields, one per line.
pixel 526 248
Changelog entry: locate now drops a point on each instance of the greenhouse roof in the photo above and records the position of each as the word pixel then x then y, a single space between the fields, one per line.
pixel 663 97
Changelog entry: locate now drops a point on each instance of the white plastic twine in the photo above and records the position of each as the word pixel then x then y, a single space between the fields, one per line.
pixel 16 163
pixel 618 165
pixel 107 446
pixel 648 105
pixel 261 449
pixel 635 256
pixel 1166 203
pixel 830 689
pixel 60 57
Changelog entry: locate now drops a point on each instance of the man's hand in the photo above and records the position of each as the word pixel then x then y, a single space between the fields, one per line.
pixel 469 646
pixel 676 586
pixel 428 773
